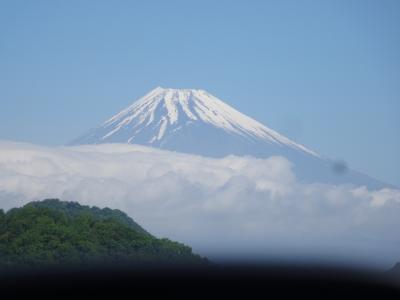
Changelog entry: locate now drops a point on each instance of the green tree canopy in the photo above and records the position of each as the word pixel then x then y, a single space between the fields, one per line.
pixel 57 233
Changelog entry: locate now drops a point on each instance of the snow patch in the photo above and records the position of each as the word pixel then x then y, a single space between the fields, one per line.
pixel 172 108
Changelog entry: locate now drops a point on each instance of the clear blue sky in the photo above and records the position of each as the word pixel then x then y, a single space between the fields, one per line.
pixel 324 73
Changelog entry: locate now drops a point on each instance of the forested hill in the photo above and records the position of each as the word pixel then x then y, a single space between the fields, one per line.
pixel 56 233
pixel 74 209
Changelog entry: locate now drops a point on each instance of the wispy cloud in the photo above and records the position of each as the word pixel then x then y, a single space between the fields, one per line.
pixel 238 206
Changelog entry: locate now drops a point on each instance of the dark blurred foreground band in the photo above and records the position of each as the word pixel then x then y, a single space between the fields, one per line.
pixel 206 282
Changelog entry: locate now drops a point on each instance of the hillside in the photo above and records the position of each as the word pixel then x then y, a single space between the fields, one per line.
pixel 55 233
pixel 75 209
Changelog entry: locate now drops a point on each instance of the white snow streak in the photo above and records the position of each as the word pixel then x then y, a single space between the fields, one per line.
pixel 163 106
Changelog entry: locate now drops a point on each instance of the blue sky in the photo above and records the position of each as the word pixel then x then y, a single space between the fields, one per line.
pixel 324 73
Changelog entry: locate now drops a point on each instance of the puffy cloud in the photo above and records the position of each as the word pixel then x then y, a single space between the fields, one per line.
pixel 230 207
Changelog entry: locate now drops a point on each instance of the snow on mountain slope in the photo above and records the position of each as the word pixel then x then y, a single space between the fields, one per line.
pixel 164 112
pixel 196 122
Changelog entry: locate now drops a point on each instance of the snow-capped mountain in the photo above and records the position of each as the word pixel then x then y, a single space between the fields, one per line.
pixel 158 118
pixel 194 121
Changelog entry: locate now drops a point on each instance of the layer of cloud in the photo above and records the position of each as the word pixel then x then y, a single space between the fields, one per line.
pixel 230 207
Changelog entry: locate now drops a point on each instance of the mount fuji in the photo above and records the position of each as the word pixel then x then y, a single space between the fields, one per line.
pixel 196 122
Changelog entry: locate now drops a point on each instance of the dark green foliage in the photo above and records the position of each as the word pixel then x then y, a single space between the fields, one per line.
pixel 56 233
pixel 74 209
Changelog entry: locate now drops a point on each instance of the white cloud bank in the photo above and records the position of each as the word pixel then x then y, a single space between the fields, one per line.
pixel 230 207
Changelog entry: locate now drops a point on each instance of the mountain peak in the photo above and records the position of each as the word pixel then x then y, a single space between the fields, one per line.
pixel 196 122
pixel 165 115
